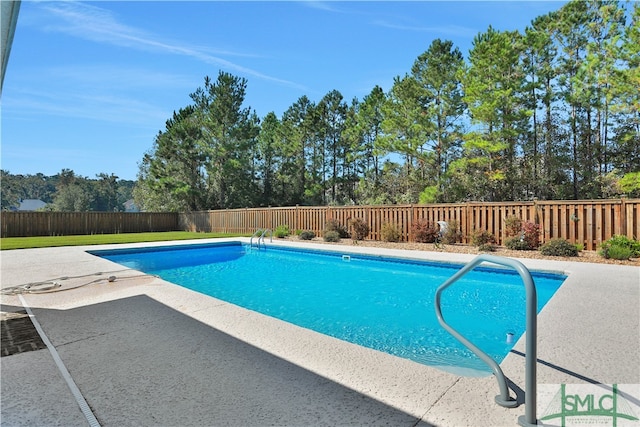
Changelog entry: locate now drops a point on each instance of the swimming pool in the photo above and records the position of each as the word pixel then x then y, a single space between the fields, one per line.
pixel 381 303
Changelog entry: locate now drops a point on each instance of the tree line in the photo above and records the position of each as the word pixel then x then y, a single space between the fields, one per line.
pixel 550 113
pixel 66 191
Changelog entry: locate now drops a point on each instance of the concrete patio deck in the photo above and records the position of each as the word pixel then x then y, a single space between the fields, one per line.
pixel 143 351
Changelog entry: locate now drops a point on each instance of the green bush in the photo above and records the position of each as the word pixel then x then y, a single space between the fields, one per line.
pixel 618 246
pixel 482 237
pixel 619 252
pixel 424 231
pixel 390 232
pixel 559 247
pixel 281 231
pixel 306 235
pixel 360 229
pixel 334 225
pixel 517 243
pixel 453 234
pixel 487 247
pixel 331 236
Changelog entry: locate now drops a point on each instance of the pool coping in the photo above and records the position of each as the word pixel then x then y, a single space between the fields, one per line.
pixel 588 332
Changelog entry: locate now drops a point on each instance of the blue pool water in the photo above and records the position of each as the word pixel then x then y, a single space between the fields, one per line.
pixel 382 303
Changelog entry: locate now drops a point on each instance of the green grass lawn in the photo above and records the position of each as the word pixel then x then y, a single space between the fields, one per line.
pixel 101 239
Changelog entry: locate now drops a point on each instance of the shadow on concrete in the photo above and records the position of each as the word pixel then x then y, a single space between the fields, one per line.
pixel 577 375
pixel 559 368
pixel 519 392
pixel 140 362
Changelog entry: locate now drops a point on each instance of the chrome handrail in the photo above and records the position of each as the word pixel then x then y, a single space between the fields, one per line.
pixel 260 233
pixel 252 236
pixel 529 419
pixel 261 238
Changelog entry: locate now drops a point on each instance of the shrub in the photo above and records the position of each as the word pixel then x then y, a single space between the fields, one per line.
pixel 619 241
pixel 512 226
pixel 306 235
pixel 482 237
pixel 390 232
pixel 559 247
pixel 619 252
pixel 334 225
pixel 487 247
pixel 531 234
pixel 517 243
pixel 633 244
pixel 425 231
pixel 579 247
pixel 331 236
pixel 360 229
pixel 281 231
pixel 453 234
pixel 525 235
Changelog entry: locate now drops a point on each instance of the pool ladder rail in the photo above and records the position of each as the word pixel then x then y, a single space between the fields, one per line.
pixel 504 399
pixel 260 234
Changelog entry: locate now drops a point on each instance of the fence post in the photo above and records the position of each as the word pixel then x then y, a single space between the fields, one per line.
pixel 623 218
pixel 466 232
pixel 410 224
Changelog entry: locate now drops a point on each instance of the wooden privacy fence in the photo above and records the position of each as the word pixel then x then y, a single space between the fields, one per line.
pixel 26 224
pixel 589 222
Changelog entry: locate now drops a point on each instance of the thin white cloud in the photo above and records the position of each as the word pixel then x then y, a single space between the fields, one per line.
pixel 449 30
pixel 327 6
pixel 99 25
pixel 107 75
pixel 110 108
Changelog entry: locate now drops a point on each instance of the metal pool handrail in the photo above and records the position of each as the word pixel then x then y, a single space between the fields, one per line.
pixel 262 236
pixel 255 235
pixel 261 233
pixel 503 399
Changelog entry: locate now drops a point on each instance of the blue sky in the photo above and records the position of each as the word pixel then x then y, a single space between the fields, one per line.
pixel 90 84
